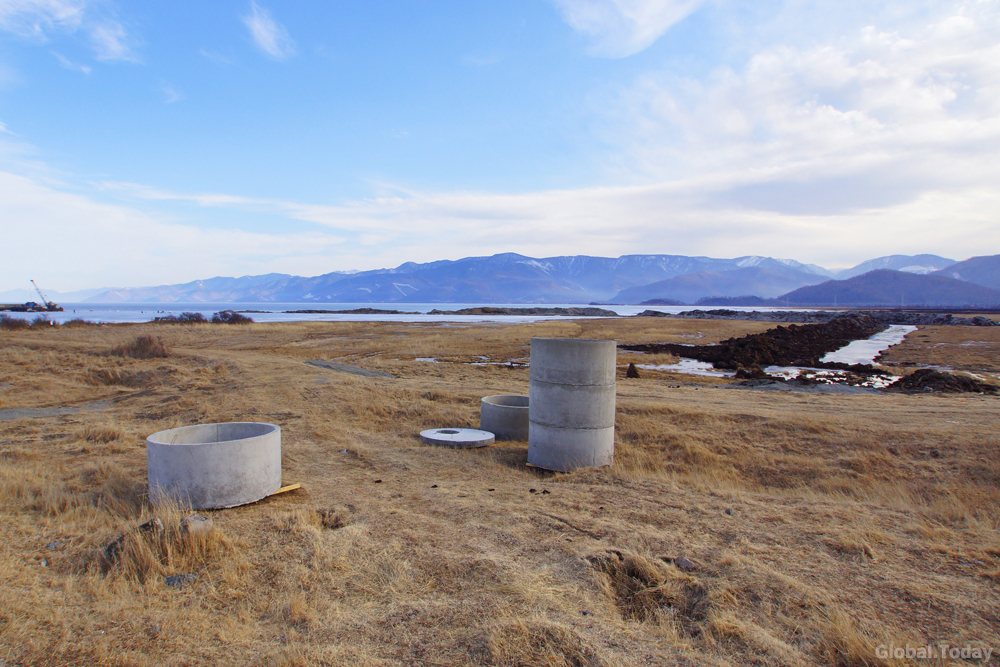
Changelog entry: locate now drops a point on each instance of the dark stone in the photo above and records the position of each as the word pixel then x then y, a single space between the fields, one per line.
pixel 179 580
pixel 153 526
pixel 755 373
pixel 683 563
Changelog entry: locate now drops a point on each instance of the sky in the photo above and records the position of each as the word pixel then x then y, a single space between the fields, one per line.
pixel 153 143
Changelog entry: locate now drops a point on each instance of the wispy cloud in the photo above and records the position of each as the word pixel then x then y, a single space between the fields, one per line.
pixel 127 246
pixel 45 19
pixel 69 64
pixel 110 42
pixel 35 18
pixel 270 37
pixel 216 57
pixel 686 216
pixel 621 28
pixel 170 94
pixel 870 121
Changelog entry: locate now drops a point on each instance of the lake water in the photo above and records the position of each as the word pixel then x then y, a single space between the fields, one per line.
pixel 417 312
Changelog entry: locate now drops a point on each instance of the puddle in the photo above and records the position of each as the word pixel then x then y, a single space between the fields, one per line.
pixel 865 351
pixel 689 367
pixel 824 376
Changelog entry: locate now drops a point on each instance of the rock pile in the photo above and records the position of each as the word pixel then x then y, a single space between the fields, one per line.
pixel 794 345
pixel 821 316
pixel 930 380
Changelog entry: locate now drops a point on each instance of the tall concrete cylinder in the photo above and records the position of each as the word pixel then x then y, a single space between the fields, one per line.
pixel 211 466
pixel 571 414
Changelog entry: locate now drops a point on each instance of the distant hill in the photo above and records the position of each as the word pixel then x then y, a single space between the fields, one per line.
pixel 511 278
pixel 503 278
pixel 735 301
pixel 212 290
pixel 28 294
pixel 661 302
pixel 766 279
pixel 884 287
pixel 984 270
pixel 908 263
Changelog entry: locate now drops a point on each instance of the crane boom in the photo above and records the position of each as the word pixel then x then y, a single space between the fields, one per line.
pixel 45 302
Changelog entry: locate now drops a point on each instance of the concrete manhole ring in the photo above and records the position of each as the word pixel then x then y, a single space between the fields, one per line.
pixel 212 466
pixel 459 438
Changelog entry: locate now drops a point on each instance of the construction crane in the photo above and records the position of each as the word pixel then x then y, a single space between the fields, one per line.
pixel 49 306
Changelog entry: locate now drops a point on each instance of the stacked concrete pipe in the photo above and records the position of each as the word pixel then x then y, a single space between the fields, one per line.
pixel 571 414
pixel 211 466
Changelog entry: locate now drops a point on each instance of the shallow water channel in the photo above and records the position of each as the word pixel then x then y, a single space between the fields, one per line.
pixel 855 352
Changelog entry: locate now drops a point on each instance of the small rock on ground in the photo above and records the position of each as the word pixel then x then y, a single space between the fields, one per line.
pixel 179 580
pixel 683 563
pixel 195 524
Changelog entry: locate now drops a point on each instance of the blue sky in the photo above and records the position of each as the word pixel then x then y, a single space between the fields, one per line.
pixel 149 143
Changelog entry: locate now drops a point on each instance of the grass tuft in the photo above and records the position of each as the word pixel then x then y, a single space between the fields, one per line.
pixel 646 589
pixel 8 323
pixel 538 643
pixel 143 347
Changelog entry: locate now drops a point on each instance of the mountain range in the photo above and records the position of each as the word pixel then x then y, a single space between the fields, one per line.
pixel 885 287
pixel 512 279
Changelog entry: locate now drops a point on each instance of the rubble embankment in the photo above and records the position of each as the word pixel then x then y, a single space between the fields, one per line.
pixel 822 316
pixel 931 380
pixel 793 345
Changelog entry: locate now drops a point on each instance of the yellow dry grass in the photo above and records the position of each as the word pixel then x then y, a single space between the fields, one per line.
pixel 818 526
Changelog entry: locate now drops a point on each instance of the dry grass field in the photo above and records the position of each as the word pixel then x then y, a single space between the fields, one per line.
pixel 813 527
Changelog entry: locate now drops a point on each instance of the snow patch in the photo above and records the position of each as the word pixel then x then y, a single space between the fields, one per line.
pixel 537 265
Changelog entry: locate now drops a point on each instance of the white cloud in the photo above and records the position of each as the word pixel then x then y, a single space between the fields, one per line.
pixel 94 244
pixel 69 64
pixel 110 41
pixel 35 18
pixel 624 27
pixel 882 118
pixel 216 57
pixel 44 19
pixel 270 37
pixel 667 217
pixel 170 94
